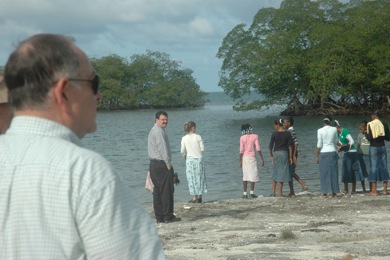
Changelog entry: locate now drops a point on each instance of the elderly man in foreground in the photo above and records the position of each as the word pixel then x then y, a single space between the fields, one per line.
pixel 57 199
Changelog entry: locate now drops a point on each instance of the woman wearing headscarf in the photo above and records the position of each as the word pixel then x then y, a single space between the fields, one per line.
pixel 327 158
pixel 249 145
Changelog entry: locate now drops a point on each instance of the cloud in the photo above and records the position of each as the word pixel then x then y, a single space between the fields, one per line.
pixel 189 30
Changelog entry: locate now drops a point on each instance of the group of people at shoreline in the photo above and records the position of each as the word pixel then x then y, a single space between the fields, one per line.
pixel 366 158
pixel 363 159
pixel 332 139
pixel 62 201
pixel 283 148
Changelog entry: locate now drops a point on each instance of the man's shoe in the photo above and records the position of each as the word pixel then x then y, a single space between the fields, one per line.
pixel 253 196
pixel 244 197
pixel 172 219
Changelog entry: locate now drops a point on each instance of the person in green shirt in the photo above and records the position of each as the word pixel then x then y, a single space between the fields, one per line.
pixel 350 169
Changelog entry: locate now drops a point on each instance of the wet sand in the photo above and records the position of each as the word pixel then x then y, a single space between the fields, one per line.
pixel 354 226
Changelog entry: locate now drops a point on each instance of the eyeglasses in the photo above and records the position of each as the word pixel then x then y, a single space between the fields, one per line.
pixel 94 82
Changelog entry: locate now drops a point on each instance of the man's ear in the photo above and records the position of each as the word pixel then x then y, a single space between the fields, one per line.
pixel 60 93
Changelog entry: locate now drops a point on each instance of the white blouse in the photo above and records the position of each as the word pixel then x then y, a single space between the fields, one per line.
pixel 192 145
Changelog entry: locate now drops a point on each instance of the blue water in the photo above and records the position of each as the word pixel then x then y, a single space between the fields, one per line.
pixel 122 138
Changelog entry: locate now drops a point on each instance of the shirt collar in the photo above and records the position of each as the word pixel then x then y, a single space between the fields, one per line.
pixel 32 125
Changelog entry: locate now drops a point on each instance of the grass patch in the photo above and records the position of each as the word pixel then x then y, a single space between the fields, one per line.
pixel 287 234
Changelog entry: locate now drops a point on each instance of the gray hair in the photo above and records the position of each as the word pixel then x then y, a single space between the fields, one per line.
pixel 36 64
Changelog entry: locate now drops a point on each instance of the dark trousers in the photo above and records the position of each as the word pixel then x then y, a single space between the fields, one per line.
pixel 163 189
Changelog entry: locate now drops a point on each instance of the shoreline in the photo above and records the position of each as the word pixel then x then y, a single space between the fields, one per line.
pixel 306 227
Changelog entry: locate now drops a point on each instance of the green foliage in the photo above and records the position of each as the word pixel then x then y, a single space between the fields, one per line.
pixel 287 234
pixel 315 56
pixel 148 80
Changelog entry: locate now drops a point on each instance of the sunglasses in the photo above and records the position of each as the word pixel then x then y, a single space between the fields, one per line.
pixel 94 82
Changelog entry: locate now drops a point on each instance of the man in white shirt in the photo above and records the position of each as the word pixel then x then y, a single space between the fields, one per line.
pixel 57 199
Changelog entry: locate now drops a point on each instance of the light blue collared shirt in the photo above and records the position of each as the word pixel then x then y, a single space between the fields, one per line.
pixel 158 145
pixel 61 201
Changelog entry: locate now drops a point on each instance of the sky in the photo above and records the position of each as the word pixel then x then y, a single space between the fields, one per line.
pixel 190 31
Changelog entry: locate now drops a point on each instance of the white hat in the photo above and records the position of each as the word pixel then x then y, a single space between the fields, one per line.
pixel 3 91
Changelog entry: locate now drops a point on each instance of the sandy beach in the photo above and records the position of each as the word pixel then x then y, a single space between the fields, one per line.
pixel 355 226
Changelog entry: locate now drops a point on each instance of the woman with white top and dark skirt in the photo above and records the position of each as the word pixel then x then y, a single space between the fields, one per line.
pixel 327 158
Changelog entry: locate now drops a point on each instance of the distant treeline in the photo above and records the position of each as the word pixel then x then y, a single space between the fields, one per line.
pixel 315 57
pixel 150 80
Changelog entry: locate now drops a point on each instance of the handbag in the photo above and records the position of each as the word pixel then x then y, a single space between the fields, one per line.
pixel 149 184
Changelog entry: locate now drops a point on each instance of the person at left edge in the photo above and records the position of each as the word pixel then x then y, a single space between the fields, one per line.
pixel 59 200
pixel 161 170
pixel 5 113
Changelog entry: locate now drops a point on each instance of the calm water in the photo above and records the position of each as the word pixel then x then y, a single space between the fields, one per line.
pixel 122 139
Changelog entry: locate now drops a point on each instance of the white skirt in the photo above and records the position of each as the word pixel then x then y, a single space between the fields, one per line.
pixel 249 169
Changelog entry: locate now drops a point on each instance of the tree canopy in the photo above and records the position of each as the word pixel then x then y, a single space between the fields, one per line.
pixel 315 57
pixel 151 80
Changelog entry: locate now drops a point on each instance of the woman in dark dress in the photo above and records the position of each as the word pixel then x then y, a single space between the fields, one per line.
pixel 280 148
